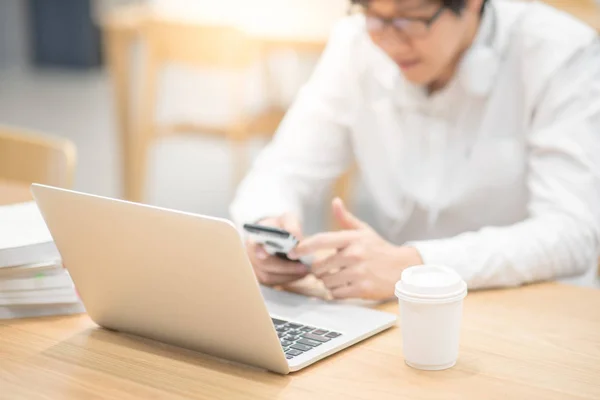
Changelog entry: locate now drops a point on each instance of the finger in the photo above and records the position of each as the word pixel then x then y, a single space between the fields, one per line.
pixel 290 223
pixel 260 253
pixel 329 264
pixel 346 292
pixel 325 241
pixel 346 219
pixel 259 257
pixel 275 265
pixel 344 277
pixel 256 252
pixel 276 279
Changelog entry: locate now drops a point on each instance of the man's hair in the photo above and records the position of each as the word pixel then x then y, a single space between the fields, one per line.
pixel 455 5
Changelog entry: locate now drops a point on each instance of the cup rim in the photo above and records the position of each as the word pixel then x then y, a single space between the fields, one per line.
pixel 432 299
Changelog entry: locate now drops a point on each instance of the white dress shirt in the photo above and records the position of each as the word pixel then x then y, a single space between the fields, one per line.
pixel 497 175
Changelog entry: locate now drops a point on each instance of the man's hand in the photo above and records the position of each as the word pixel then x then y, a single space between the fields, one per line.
pixel 364 265
pixel 272 270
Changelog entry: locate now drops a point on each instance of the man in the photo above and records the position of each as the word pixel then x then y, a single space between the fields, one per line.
pixel 476 127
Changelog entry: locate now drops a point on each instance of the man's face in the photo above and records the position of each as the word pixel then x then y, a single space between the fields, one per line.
pixel 425 56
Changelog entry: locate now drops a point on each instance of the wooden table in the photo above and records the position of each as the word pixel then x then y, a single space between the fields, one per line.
pixel 537 342
pixel 13 192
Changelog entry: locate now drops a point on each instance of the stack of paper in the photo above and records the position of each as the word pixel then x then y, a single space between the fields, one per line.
pixel 32 280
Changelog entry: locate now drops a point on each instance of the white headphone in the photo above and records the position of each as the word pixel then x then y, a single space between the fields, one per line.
pixel 478 70
pixel 480 64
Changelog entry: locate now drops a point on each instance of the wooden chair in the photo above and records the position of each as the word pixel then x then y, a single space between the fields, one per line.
pixel 200 46
pixel 213 47
pixel 35 158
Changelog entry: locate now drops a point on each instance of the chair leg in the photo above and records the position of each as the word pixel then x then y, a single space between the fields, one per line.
pixel 138 168
pixel 132 157
pixel 145 131
pixel 116 49
pixel 239 153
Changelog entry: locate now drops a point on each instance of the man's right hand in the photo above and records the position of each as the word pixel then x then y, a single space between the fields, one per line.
pixel 272 270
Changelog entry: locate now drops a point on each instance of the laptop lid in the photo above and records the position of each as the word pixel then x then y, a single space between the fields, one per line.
pixel 171 276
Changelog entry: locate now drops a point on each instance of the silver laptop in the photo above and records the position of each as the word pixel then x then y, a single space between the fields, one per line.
pixel 185 280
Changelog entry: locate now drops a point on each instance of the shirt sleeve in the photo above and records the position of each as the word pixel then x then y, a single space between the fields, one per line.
pixel 561 235
pixel 312 147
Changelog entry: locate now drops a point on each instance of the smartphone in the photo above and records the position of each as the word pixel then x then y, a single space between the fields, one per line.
pixel 277 242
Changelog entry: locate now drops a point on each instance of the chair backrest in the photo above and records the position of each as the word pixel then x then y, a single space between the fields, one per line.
pixel 212 47
pixel 31 157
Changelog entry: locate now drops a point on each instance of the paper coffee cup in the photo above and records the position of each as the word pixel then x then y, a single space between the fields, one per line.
pixel 431 301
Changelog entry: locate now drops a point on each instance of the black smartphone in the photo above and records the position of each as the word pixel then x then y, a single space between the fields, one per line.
pixel 276 241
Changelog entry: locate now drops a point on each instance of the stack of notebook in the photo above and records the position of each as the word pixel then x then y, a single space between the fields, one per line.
pixel 32 280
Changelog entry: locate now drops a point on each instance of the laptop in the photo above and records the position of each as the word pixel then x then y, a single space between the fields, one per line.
pixel 185 280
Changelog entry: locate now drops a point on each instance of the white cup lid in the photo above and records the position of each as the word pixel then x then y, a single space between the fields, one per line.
pixel 430 282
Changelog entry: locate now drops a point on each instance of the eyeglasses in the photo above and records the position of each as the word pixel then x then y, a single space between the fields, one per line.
pixel 412 27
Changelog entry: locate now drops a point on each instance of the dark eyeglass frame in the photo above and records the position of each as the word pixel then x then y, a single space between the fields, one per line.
pixel 396 23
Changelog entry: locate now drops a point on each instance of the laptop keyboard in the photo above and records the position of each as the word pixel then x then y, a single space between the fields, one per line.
pixel 297 339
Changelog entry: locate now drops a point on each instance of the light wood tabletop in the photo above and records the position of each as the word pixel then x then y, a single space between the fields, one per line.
pixel 536 342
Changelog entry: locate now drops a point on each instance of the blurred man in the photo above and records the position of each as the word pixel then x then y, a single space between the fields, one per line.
pixel 476 128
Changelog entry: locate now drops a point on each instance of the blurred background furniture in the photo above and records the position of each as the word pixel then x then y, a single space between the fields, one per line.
pixel 169 41
pixel 225 49
pixel 29 157
pixel 133 24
